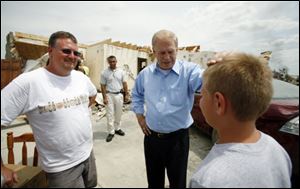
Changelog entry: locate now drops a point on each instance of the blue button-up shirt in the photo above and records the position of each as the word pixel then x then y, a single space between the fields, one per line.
pixel 168 97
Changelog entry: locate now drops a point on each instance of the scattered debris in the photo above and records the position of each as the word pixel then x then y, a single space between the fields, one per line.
pixel 99 107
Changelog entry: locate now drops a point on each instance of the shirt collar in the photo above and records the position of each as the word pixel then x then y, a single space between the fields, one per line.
pixel 175 68
pixel 112 70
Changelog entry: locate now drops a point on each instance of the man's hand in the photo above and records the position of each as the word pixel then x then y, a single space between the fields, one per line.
pixel 218 58
pixel 105 100
pixel 126 97
pixel 103 91
pixel 142 122
pixel 92 100
pixel 10 177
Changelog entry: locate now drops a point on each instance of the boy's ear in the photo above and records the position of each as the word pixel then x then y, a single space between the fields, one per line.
pixel 219 103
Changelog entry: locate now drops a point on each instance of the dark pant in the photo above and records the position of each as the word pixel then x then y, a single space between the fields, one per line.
pixel 168 151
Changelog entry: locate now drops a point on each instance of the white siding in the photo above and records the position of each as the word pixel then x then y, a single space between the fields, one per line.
pixel 95 61
pixel 127 59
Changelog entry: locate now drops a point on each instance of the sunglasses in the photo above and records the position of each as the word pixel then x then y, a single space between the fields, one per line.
pixel 69 51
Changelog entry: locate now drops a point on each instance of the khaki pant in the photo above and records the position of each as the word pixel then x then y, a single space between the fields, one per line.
pixel 114 112
pixel 83 175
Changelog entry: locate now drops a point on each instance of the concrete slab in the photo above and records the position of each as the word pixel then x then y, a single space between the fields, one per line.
pixel 120 163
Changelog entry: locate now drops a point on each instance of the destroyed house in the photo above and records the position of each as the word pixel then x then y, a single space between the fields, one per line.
pixel 27 52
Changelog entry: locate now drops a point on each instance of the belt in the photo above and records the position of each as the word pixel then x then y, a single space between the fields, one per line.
pixel 113 92
pixel 165 135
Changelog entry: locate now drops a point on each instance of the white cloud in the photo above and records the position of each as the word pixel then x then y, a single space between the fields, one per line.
pixel 245 26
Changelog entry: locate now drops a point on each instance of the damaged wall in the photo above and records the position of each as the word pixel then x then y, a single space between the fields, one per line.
pixel 131 58
pixel 127 60
pixel 28 46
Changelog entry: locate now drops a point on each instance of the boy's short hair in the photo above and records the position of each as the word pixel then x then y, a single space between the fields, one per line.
pixel 245 80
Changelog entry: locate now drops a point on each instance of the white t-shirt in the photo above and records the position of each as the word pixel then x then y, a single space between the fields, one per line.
pixel 264 164
pixel 57 110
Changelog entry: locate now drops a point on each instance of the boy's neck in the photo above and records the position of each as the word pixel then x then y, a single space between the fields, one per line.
pixel 238 132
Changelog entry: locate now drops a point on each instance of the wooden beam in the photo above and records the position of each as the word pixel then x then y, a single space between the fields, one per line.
pixel 134 47
pixel 106 41
pixel 31 36
pixel 30 50
pixel 116 43
pixel 19 36
pixel 123 45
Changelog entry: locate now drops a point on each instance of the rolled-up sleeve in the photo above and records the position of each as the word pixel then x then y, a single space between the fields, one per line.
pixel 195 81
pixel 138 95
pixel 103 79
pixel 91 88
pixel 14 98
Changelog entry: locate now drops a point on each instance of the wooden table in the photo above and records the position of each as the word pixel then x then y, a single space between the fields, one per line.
pixel 29 177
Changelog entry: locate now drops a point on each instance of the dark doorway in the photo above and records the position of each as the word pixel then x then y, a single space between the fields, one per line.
pixel 141 64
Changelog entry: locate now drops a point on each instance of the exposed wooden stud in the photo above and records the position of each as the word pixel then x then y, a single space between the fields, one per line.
pixel 106 41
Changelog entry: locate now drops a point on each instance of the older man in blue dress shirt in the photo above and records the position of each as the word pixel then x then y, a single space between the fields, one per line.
pixel 167 89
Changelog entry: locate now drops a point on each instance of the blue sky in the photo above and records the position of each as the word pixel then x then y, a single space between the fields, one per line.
pixel 251 27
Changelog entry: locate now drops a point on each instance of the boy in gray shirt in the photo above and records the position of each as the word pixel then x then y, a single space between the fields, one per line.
pixel 235 92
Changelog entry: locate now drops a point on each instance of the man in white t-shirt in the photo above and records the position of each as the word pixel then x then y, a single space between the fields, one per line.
pixel 56 101
pixel 112 82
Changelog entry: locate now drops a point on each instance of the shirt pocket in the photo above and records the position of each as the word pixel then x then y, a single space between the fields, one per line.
pixel 110 79
pixel 177 96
